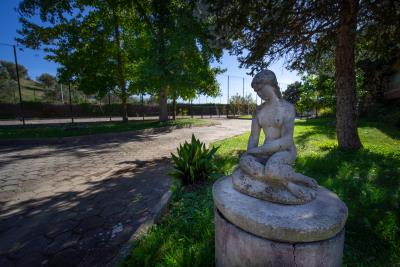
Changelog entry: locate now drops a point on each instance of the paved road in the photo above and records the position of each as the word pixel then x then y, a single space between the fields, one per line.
pixel 77 203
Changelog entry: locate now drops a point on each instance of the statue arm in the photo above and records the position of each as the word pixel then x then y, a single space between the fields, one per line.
pixel 254 134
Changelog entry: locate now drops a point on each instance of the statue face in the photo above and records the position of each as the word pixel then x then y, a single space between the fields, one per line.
pixel 265 92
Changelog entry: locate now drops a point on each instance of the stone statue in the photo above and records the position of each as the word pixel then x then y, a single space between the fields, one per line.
pixel 266 171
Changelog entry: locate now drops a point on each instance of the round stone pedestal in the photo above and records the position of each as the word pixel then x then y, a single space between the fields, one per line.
pixel 254 232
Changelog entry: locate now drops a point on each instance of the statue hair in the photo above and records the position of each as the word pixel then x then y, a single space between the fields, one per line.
pixel 267 77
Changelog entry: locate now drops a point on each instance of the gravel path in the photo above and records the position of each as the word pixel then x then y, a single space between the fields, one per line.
pixel 77 203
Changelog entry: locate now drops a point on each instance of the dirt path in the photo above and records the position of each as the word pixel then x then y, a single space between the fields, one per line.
pixel 76 204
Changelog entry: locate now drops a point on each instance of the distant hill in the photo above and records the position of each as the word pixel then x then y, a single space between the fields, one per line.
pixel 30 90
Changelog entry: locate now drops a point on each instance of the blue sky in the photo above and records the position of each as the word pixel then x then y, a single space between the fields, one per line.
pixel 37 65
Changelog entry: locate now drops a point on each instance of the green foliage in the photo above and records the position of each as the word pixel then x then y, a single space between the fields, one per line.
pixel 194 162
pixel 367 180
pixel 242 105
pixel 8 89
pixel 47 80
pixel 387 113
pixel 11 70
pixel 179 58
pixel 125 47
pixel 185 236
pixel 315 92
pixel 292 92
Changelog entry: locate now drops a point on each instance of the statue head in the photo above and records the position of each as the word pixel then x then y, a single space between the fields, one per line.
pixel 265 83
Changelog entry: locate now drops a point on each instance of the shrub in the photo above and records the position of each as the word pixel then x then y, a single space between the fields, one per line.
pixel 194 162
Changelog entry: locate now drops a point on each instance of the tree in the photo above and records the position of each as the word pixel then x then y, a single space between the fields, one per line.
pixel 378 57
pixel 292 92
pixel 7 86
pixel 12 72
pixel 175 53
pixel 154 46
pixel 47 80
pixel 84 38
pixel 304 32
pixel 319 89
pixel 242 105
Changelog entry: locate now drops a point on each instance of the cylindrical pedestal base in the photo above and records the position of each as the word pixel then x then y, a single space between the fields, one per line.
pixel 235 247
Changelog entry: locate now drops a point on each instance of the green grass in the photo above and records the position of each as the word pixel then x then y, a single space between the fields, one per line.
pixel 77 129
pixel 368 181
pixel 246 117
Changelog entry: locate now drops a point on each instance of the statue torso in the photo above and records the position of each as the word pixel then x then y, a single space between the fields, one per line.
pixel 271 117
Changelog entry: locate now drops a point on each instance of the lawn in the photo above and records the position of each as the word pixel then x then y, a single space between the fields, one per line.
pixel 367 181
pixel 77 129
pixel 246 117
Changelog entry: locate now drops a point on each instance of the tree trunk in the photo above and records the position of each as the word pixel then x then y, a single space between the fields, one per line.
pixel 121 77
pixel 161 10
pixel 174 108
pixel 163 107
pixel 124 110
pixel 346 96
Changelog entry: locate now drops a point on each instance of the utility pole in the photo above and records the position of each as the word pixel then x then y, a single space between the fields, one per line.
pixel 243 88
pixel 227 103
pixel 243 98
pixel 19 86
pixel 62 94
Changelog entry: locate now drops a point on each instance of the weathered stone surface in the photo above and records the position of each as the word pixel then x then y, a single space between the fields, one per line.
pixel 266 171
pixel 319 219
pixel 263 189
pixel 236 248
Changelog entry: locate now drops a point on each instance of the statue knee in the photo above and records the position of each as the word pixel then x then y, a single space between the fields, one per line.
pixel 272 170
pixel 246 160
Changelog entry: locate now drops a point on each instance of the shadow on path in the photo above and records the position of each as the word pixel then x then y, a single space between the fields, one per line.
pixel 84 227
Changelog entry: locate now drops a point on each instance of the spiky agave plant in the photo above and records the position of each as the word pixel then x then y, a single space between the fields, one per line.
pixel 193 162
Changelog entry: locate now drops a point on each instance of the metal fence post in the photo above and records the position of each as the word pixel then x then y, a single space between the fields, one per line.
pixel 70 102
pixel 227 102
pixel 109 103
pixel 142 105
pixel 19 86
pixel 191 108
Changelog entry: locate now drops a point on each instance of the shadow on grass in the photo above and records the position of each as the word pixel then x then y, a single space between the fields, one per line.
pixel 369 184
pixel 392 131
pixel 324 127
pixel 225 163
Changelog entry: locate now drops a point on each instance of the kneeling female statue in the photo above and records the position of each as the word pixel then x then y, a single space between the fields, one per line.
pixel 266 171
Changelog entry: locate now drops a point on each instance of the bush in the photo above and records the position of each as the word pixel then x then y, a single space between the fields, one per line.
pixel 194 162
pixel 388 113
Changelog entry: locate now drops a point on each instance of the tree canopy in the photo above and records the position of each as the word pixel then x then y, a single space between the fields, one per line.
pixel 9 67
pixel 154 46
pixel 47 80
